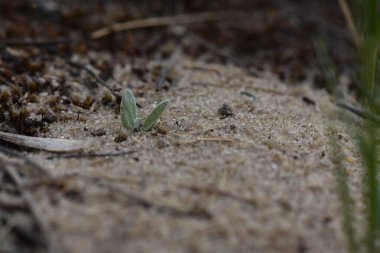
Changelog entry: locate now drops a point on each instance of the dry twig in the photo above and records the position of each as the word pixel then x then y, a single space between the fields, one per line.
pixel 48 144
pixel 92 155
pixel 164 21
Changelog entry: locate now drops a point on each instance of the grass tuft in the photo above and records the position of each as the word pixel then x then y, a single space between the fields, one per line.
pixel 365 29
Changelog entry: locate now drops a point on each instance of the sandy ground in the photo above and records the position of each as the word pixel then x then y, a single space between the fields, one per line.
pixel 256 181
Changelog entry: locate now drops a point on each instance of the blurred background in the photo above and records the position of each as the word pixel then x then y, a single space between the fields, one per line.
pixel 270 35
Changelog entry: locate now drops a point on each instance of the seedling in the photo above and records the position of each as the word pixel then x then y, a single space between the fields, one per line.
pixel 129 117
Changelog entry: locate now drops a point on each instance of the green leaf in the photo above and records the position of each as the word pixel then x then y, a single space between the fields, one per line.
pixel 128 112
pixel 137 124
pixel 155 115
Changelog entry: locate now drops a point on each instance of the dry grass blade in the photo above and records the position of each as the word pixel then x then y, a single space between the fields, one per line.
pixel 164 21
pixel 94 75
pixel 28 160
pixel 350 22
pixel 48 144
pixel 218 192
pixel 8 202
pixel 214 139
pixel 154 205
pixel 35 210
pixel 37 43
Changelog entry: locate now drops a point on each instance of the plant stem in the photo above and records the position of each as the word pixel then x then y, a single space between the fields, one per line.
pixel 368 56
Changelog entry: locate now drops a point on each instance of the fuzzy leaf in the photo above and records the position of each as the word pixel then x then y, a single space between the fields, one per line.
pixel 128 109
pixel 154 116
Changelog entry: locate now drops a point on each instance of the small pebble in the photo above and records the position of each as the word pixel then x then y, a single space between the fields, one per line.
pixel 32 122
pixel 98 132
pixel 161 144
pixel 161 130
pixel 49 118
pixel 121 138
pixel 225 111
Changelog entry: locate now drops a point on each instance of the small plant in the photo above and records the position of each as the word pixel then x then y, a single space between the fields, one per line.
pixel 129 117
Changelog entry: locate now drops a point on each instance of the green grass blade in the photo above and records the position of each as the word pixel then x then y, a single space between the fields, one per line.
pixel 155 115
pixel 128 110
pixel 369 149
pixel 368 25
pixel 336 156
pixel 372 20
